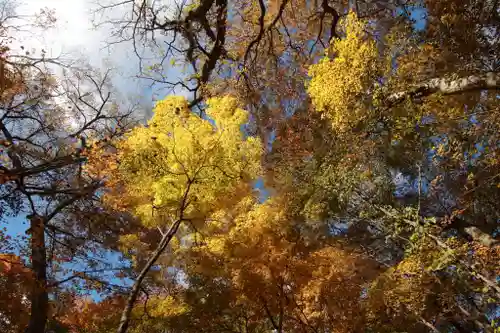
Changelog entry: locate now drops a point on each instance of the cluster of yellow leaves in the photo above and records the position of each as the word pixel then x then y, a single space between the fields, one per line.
pixel 251 230
pixel 410 278
pixel 166 307
pixel 337 84
pixel 180 165
pixel 333 288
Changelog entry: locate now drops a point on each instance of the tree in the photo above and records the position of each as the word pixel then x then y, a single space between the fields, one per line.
pixel 45 124
pixel 369 203
pixel 176 169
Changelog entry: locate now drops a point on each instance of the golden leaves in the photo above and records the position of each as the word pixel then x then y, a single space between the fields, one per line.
pixel 166 307
pixel 266 264
pixel 180 165
pixel 337 84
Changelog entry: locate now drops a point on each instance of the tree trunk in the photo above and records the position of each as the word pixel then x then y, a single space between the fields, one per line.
pixel 127 311
pixel 39 297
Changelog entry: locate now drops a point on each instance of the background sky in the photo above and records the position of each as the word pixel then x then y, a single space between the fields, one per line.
pixel 75 37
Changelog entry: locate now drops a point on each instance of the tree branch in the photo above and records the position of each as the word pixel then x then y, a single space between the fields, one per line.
pixel 445 86
pixel 125 317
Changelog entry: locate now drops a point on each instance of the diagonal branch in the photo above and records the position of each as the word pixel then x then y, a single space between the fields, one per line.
pixel 269 314
pixel 84 275
pixel 446 86
pixel 125 317
pixel 165 240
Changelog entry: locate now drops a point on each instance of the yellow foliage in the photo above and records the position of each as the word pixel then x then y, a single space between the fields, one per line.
pixel 180 165
pixel 413 286
pixel 333 287
pixel 337 84
pixel 166 307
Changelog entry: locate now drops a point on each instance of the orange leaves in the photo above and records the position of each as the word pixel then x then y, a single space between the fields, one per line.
pixel 268 265
pixel 330 293
pixel 102 161
pixel 488 257
pixel 86 316
pixel 4 178
pixel 12 264
pixel 15 284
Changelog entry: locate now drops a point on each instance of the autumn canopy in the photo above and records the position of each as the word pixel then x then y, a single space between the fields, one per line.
pixel 311 166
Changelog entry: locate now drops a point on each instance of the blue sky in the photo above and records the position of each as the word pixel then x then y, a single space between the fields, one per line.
pixel 74 37
pixel 418 14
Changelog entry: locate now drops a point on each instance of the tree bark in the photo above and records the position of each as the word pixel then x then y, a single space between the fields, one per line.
pixel 39 297
pixel 125 317
pixel 446 86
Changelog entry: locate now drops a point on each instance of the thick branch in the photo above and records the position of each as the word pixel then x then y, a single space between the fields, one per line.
pixel 445 86
pixel 62 205
pixel 270 315
pixel 335 18
pixel 44 167
pixel 84 275
pixel 262 29
pixel 218 47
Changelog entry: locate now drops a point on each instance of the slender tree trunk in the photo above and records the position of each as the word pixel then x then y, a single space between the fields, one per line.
pixel 270 315
pixel 134 293
pixel 39 297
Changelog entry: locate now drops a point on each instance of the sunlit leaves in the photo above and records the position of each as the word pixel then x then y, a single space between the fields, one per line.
pixel 182 164
pixel 337 85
